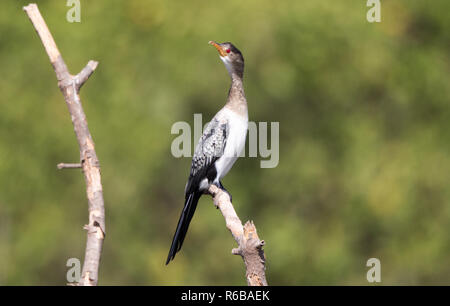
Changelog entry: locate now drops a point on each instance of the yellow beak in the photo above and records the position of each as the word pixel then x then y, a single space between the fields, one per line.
pixel 218 47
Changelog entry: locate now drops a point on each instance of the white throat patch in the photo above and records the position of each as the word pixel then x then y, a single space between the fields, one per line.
pixel 226 60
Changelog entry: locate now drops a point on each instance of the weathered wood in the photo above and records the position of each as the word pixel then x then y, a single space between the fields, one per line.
pixel 249 244
pixel 70 86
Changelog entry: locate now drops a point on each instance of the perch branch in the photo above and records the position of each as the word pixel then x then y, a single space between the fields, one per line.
pixel 249 244
pixel 70 86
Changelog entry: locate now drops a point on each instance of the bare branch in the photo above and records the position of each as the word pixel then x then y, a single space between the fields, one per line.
pixel 249 245
pixel 70 86
pixel 68 166
pixel 82 77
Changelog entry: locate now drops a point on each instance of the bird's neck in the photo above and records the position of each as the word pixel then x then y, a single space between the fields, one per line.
pixel 236 97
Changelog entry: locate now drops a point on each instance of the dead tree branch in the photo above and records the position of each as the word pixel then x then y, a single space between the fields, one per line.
pixel 68 166
pixel 249 245
pixel 70 86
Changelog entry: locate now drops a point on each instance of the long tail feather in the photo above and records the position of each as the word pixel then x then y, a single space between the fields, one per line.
pixel 190 205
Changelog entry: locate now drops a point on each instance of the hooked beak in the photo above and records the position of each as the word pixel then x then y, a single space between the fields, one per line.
pixel 218 47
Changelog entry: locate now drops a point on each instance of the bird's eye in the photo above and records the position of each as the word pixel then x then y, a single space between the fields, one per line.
pixel 228 50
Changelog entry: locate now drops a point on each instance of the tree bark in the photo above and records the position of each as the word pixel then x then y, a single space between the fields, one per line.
pixel 70 86
pixel 249 244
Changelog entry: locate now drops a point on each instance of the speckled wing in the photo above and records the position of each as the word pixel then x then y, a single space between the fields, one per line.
pixel 209 148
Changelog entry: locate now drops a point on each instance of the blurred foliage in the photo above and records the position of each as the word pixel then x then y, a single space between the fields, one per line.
pixel 364 118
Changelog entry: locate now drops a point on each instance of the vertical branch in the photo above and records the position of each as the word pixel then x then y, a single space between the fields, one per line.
pixel 249 245
pixel 70 86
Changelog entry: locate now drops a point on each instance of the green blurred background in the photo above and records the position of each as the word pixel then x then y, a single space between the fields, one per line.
pixel 364 118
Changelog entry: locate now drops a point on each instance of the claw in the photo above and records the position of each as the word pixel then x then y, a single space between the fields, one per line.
pixel 223 188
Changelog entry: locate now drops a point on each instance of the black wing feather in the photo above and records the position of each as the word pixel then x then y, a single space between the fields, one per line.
pixel 209 148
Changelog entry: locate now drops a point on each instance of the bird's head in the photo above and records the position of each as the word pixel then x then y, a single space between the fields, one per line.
pixel 231 57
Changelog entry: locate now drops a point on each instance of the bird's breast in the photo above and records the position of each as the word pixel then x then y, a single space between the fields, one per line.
pixel 237 133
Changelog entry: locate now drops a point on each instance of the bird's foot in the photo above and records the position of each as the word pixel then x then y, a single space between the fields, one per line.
pixel 226 191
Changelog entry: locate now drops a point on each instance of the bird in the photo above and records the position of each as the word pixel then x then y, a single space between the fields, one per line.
pixel 220 145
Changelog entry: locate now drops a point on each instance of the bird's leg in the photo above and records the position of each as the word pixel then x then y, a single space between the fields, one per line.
pixel 223 188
